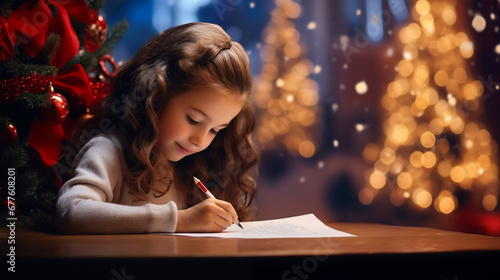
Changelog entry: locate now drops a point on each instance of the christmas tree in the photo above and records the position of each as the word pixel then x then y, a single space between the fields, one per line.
pixel 435 145
pixel 284 87
pixel 55 67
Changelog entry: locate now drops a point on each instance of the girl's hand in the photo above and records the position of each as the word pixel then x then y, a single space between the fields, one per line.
pixel 211 215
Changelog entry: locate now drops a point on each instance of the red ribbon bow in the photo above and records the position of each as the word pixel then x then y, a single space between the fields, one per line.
pixel 34 20
pixel 47 139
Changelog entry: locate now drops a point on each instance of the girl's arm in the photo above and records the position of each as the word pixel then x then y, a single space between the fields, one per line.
pixel 91 202
pixel 85 209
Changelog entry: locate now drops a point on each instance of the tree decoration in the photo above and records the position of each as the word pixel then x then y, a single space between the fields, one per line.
pixel 46 88
pixel 95 34
pixel 9 134
pixel 56 110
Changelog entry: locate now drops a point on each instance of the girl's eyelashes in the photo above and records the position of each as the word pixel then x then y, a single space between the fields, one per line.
pixel 191 120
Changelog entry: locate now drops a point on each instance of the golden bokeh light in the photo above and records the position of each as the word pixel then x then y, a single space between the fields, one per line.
pixel 307 149
pixel 377 180
pixel 422 197
pixel 490 202
pixel 405 180
pixel 457 174
pixel 428 139
pixel 422 7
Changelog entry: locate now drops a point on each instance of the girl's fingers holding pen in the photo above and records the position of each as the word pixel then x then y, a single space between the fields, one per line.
pixel 229 208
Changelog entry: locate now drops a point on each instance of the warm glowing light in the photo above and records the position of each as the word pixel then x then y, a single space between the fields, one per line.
pixel 428 139
pixel 428 159
pixel 422 197
pixel 457 125
pixel 423 7
pixel 445 203
pixel 360 127
pixel 421 75
pixel 436 126
pixel 483 136
pixel 479 23
pixel 413 31
pixel 280 82
pixel 317 69
pixel 311 25
pixel 399 134
pixel 457 174
pixel 292 50
pixel 483 162
pixel 405 180
pixel 416 159
pixel 410 52
pixel 307 149
pixel 441 78
pixel 490 202
pixel 449 16
pixel 377 180
pixel 460 75
pixel 405 68
pixel 361 87
pixel 292 9
pixel 467 49
pixel 387 156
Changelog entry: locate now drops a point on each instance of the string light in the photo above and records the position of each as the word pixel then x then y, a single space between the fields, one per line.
pixel 288 97
pixel 434 144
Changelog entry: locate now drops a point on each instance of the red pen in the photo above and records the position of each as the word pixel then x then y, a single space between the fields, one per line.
pixel 207 192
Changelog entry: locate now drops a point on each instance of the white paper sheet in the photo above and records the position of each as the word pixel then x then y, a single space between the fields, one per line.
pixel 304 226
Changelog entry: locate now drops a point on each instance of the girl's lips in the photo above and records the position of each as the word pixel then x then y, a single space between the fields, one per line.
pixel 184 150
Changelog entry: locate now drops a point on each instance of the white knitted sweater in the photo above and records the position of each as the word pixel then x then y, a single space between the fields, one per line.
pixel 97 200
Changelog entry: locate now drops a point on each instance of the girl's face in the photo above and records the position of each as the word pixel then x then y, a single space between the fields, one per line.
pixel 189 121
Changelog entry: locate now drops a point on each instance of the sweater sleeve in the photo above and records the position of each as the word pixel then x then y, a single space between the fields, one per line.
pixel 87 202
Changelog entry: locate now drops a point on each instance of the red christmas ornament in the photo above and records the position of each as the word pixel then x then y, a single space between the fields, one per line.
pixel 9 134
pixel 95 33
pixel 55 111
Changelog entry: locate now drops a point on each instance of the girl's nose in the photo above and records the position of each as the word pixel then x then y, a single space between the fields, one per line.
pixel 197 138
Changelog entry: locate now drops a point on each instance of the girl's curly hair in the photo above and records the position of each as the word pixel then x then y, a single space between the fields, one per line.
pixel 180 59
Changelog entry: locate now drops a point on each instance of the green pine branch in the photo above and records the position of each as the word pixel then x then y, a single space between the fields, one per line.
pixel 15 67
pixel 31 101
pixel 89 61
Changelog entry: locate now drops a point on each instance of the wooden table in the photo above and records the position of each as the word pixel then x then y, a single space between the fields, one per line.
pixel 378 252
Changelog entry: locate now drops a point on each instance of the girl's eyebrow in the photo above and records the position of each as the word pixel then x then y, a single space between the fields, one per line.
pixel 206 116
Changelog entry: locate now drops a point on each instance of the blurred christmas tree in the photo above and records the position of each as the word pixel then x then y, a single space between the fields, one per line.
pixel 55 68
pixel 284 88
pixel 435 145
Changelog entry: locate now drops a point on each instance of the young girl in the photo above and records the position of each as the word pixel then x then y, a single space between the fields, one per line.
pixel 178 109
